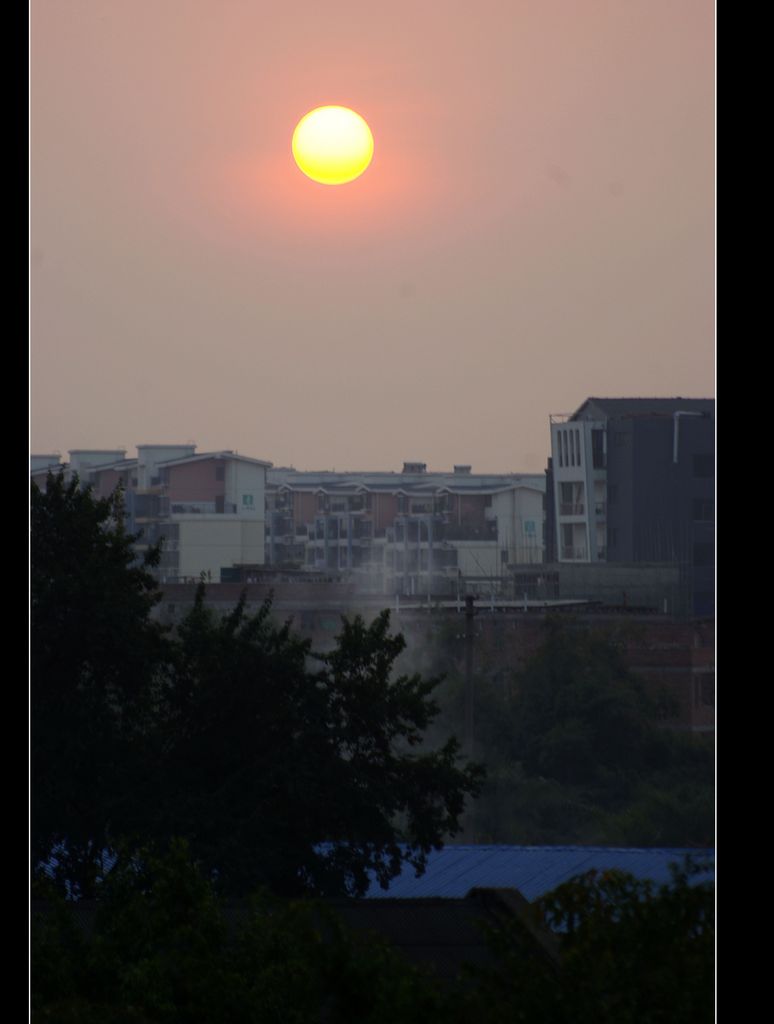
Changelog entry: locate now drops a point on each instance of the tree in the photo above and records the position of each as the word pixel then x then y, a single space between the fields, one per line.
pixel 95 653
pixel 231 733
pixel 163 946
pixel 580 712
pixel 630 952
pixel 576 750
pixel 274 751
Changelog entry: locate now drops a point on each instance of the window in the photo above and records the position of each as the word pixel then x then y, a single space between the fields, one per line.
pixel 578 446
pixel 247 501
pixel 571 499
pixel 529 526
pixel 220 471
pixel 598 449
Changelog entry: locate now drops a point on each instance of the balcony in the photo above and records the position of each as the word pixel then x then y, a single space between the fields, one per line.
pixel 572 509
pixel 187 508
pixel 574 554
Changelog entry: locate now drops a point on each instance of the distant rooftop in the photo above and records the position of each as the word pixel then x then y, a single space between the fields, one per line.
pixel 96 451
pixel 223 454
pixel 646 406
pixel 409 483
pixel 534 870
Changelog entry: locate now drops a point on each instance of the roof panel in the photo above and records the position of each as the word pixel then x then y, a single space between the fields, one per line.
pixel 534 870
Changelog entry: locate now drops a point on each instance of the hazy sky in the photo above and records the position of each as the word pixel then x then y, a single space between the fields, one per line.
pixel 536 226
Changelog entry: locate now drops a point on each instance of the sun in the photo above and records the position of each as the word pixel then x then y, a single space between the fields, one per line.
pixel 332 145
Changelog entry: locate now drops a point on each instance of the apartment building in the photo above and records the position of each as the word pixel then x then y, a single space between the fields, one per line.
pixel 412 532
pixel 207 508
pixel 632 480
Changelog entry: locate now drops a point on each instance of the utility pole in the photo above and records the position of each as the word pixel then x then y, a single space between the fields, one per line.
pixel 469 706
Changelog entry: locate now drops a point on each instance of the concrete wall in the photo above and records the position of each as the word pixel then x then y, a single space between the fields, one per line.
pixel 620 584
pixel 150 455
pixel 208 543
pixel 478 558
pixel 515 509
pixel 82 460
pixel 246 487
pixel 44 462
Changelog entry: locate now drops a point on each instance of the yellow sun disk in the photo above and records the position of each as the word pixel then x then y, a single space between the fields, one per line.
pixel 332 145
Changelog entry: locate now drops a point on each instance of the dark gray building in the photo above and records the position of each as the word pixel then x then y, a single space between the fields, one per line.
pixel 634 482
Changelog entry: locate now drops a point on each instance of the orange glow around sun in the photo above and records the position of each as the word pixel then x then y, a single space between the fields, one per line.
pixel 332 145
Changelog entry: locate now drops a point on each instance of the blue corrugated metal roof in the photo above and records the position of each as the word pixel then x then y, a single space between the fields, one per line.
pixel 533 870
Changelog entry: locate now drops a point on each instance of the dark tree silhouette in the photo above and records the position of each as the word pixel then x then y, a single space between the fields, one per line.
pixel 273 751
pixel 280 767
pixel 95 655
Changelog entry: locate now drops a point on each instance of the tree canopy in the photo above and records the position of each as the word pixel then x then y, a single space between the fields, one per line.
pixel 630 952
pixel 164 946
pixel 281 767
pixel 576 750
pixel 579 711
pixel 273 750
pixel 95 654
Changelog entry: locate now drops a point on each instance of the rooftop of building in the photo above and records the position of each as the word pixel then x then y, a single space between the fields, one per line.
pixel 630 407
pixel 332 482
pixel 534 870
pixel 224 453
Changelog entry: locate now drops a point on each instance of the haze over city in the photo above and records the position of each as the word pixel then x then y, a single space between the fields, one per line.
pixel 536 225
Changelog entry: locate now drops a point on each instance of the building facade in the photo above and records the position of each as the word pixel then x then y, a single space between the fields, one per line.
pixel 632 480
pixel 207 508
pixel 413 532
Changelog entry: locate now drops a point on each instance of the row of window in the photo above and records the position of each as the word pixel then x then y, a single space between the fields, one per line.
pixel 568 447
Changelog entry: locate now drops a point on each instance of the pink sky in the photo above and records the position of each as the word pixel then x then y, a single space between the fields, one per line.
pixel 537 225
